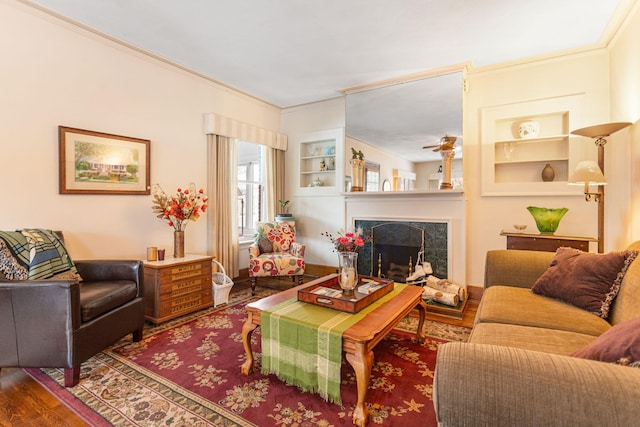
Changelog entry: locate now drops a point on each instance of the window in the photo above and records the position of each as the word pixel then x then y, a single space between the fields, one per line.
pixel 371 176
pixel 250 187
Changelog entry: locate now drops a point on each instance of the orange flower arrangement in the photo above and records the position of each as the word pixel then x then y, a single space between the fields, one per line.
pixel 186 205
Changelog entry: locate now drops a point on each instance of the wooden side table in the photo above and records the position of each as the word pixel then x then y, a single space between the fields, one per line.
pixel 177 286
pixel 545 242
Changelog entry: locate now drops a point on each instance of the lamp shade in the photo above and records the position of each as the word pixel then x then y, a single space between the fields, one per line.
pixel 587 172
pixel 599 131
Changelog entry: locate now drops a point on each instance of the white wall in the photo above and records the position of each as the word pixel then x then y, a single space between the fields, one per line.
pixel 320 213
pixel 54 73
pixel 623 218
pixel 487 216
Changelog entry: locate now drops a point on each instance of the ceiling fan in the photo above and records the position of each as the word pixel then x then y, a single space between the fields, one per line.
pixel 446 144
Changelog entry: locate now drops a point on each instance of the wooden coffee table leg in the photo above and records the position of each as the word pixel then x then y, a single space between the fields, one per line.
pixel 361 361
pixel 247 329
pixel 422 312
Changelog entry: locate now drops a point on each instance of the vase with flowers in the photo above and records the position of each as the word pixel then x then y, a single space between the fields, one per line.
pixel 178 209
pixel 347 245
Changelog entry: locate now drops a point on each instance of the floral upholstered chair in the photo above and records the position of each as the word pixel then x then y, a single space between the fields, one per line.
pixel 275 252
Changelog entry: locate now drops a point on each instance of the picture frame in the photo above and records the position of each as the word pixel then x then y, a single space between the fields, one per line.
pixel 101 163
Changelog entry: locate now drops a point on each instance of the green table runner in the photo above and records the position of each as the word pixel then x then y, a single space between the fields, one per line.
pixel 302 343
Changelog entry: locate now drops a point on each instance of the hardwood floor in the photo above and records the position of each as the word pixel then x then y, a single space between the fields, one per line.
pixel 24 402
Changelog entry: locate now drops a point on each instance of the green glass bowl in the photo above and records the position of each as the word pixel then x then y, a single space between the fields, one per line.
pixel 547 219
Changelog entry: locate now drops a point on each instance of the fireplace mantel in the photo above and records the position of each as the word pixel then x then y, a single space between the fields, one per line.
pixel 448 194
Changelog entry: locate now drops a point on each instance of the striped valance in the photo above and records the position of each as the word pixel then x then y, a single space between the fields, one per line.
pixel 224 126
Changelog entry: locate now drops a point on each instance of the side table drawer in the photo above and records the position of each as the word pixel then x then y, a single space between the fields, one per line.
pixel 185 304
pixel 184 271
pixel 181 288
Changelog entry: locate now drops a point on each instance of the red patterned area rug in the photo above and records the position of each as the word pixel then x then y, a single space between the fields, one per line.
pixel 187 373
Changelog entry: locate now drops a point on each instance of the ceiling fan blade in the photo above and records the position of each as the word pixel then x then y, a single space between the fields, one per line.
pixel 430 146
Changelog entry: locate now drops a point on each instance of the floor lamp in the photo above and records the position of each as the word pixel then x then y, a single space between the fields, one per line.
pixel 587 174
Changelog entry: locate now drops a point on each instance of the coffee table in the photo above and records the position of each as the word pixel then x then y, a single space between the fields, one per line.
pixel 358 341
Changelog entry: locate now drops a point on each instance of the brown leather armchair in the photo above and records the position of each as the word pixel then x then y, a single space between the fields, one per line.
pixel 62 323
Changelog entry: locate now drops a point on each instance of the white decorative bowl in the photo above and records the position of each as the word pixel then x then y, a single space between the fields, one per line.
pixel 529 129
pixel 520 228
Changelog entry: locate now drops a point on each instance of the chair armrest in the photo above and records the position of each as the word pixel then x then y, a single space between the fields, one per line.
pixel 297 249
pixel 254 251
pixel 105 270
pixel 516 268
pixel 38 317
pixel 478 384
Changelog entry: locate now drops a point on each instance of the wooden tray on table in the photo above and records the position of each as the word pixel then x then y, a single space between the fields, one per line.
pixel 329 294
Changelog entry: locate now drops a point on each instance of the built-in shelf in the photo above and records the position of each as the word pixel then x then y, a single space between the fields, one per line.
pixel 512 164
pixel 319 162
pixel 329 172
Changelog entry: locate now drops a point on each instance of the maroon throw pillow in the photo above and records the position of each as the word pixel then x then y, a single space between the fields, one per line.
pixel 586 280
pixel 620 344
pixel 265 245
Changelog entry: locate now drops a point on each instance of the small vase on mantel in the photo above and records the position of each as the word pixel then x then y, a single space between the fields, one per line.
pixel 178 244
pixel 348 271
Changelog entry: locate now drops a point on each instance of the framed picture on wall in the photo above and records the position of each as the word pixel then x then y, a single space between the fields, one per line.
pixel 101 163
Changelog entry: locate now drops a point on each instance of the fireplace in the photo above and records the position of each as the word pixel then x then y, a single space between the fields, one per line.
pixel 395 244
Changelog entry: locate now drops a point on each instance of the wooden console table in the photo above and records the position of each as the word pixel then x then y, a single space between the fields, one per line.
pixel 177 286
pixel 545 242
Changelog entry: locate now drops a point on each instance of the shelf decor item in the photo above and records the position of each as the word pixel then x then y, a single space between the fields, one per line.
pixel 184 206
pixel 529 129
pixel 548 173
pixel 547 219
pixel 357 170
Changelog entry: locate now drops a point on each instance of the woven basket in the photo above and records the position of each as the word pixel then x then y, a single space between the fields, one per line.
pixel 221 286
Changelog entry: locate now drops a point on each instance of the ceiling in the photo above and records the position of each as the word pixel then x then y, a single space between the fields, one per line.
pixel 292 52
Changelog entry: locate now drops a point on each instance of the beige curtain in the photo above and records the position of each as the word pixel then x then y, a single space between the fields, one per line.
pixel 274 170
pixel 222 230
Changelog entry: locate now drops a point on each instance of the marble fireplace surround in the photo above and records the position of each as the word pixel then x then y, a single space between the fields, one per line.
pixel 397 243
pixel 441 213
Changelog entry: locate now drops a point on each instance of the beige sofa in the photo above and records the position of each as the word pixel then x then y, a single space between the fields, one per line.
pixel 516 369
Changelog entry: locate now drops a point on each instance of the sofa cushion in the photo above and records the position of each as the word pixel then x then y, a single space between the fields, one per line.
pixel 48 258
pixel 620 344
pixel 520 306
pixel 97 298
pixel 265 245
pixel 587 280
pixel 35 254
pixel 281 234
pixel 626 306
pixel 276 264
pixel 530 338
pixel 14 256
